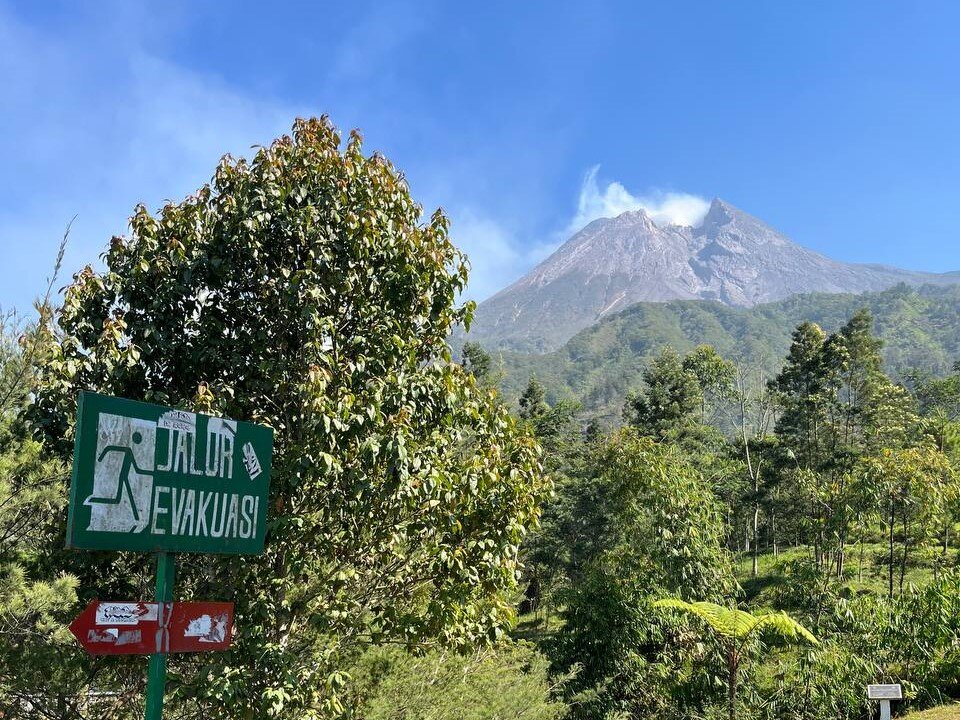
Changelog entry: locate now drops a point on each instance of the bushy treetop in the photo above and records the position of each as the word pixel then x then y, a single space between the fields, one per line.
pixel 302 290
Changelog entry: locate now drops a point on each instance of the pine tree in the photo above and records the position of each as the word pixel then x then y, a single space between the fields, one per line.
pixel 672 398
pixel 533 401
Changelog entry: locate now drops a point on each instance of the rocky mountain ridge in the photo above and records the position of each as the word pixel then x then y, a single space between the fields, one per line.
pixel 612 263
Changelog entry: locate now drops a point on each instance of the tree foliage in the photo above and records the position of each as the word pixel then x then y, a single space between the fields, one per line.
pixel 671 398
pixel 658 529
pixel 302 291
pixel 735 630
pixel 508 681
pixel 476 360
pixel 829 460
pixel 35 594
pixel 738 626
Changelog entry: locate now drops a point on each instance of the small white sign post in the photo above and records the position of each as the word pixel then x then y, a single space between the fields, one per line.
pixel 884 693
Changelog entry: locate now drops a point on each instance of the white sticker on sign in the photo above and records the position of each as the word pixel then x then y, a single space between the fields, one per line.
pixel 125 613
pixel 208 629
pixel 251 462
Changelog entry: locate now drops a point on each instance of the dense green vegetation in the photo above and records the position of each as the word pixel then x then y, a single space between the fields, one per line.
pixel 763 526
pixel 301 290
pixel 920 328
pixel 834 488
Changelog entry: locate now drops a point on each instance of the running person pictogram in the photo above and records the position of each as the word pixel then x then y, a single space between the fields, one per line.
pixel 123 484
pixel 123 475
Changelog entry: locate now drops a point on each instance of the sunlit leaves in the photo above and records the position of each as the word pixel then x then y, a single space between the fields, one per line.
pixel 305 290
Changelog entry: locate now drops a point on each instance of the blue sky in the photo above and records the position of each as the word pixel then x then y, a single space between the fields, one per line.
pixel 837 123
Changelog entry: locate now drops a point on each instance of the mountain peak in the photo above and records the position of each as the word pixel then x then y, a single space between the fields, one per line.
pixel 720 213
pixel 635 217
pixel 723 219
pixel 733 257
pixel 625 219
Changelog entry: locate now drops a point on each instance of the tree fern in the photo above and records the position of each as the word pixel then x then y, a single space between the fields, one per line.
pixel 734 628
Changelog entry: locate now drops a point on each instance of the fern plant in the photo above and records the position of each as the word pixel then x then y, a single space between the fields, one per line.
pixel 734 629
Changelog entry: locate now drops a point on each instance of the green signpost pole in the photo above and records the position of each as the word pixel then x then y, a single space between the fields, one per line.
pixel 157 479
pixel 157 673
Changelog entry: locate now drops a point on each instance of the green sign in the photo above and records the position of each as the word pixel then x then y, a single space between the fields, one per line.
pixel 152 478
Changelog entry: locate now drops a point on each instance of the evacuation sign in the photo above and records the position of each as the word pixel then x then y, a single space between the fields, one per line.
pixel 152 478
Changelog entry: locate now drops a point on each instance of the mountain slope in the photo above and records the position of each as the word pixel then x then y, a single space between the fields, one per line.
pixel 732 258
pixel 920 328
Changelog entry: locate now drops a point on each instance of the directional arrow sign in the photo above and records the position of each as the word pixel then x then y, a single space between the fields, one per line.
pixel 117 628
pixel 143 628
pixel 199 627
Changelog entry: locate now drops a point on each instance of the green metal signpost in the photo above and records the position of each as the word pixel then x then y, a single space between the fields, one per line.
pixel 162 480
pixel 157 671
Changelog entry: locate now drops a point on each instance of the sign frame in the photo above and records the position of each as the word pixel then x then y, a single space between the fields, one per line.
pixel 115 488
pixel 145 628
pixel 198 471
pixel 892 691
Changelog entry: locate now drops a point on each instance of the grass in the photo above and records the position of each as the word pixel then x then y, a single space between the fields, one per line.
pixel 944 712
pixel 872 578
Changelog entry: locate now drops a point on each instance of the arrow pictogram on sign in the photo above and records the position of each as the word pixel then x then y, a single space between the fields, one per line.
pixel 143 628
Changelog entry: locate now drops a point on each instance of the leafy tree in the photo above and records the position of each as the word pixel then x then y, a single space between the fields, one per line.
pixel 546 551
pixel 35 596
pixel 476 360
pixel 533 400
pixel 914 485
pixel 303 290
pixel 715 376
pixel 671 399
pixel 837 406
pixel 871 411
pixel 938 400
pixel 827 683
pixel 930 617
pixel 666 518
pixel 856 353
pixel 507 681
pixel 756 412
pixel 553 555
pixel 939 404
pixel 868 413
pixel 656 528
pixel 622 660
pixel 804 389
pixel 736 629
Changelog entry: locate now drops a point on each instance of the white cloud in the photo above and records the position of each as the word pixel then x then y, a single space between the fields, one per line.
pixel 496 257
pixel 95 133
pixel 664 208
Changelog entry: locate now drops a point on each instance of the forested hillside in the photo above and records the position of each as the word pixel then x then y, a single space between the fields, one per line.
pixel 769 570
pixel 920 328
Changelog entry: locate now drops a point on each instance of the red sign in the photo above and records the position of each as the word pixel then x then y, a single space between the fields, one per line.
pixel 144 628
